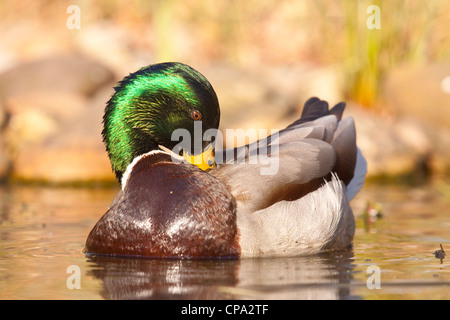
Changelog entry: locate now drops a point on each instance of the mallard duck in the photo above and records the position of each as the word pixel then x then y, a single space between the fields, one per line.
pixel 171 208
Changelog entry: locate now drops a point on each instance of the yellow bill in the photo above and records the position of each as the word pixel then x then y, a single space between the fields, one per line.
pixel 204 161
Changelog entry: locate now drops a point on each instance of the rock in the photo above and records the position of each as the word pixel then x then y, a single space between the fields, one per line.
pixel 419 91
pixel 71 73
pixel 53 128
pixel 34 116
pixel 73 154
pixel 420 95
pixel 400 145
pixel 5 161
pixel 385 152
pixel 395 142
pixel 51 131
pixel 82 162
pixel 269 98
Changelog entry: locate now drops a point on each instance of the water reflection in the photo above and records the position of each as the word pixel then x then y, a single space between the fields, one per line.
pixel 43 231
pixel 316 277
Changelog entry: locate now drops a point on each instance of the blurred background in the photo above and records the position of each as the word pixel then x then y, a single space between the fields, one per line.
pixel 59 61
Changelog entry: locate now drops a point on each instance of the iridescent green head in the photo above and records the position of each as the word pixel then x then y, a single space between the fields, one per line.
pixel 150 104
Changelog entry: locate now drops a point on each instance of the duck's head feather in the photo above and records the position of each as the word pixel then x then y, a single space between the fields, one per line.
pixel 150 104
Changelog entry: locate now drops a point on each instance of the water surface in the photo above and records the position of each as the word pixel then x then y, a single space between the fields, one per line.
pixel 43 230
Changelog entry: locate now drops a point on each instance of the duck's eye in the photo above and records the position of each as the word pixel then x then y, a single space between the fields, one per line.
pixel 196 115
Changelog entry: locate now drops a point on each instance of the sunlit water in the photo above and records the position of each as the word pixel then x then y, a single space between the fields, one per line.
pixel 43 231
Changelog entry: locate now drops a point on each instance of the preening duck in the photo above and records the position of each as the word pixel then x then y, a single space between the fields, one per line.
pixel 234 203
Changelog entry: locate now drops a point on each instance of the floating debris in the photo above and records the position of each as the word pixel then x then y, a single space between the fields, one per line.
pixel 371 214
pixel 440 254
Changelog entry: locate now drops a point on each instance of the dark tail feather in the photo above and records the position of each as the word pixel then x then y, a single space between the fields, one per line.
pixel 315 108
pixel 338 110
